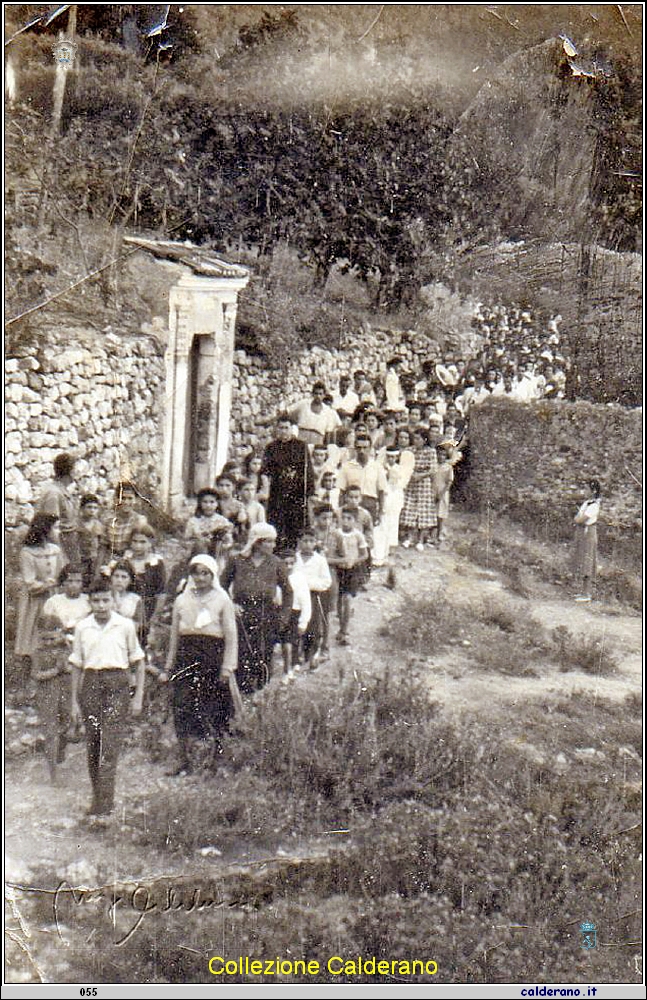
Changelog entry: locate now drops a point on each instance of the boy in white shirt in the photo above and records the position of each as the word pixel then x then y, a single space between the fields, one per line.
pixel 314 567
pixel 294 625
pixel 104 649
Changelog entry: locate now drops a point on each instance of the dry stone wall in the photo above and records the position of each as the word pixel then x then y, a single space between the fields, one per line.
pixel 260 392
pixel 102 397
pixel 98 397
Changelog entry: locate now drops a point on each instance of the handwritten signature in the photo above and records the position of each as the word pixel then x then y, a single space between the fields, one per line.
pixel 135 901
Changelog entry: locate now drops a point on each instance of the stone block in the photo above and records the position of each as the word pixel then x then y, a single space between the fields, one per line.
pixel 25 493
pixel 29 364
pixel 14 389
pixel 72 358
pixel 13 443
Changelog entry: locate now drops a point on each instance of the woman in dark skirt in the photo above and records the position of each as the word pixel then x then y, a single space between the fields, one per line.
pixel 260 588
pixel 202 655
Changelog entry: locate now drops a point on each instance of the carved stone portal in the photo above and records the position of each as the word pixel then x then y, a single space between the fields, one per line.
pixel 199 368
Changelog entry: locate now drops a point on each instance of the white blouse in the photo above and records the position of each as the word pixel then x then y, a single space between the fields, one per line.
pixel 588 513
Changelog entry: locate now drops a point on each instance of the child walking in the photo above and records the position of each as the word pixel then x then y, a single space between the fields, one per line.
pixel 253 466
pixel 314 567
pixel 125 517
pixel 296 615
pixel 205 520
pixel 255 511
pixel 349 552
pixel 364 522
pixel 125 601
pixel 104 649
pixel 92 537
pixel 325 493
pixel 149 577
pixel 229 506
pixel 443 479
pixel 52 674
pixel 325 532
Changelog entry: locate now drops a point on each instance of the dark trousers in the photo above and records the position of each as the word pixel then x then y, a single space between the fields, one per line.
pixel 318 627
pixel 104 700
pixel 54 699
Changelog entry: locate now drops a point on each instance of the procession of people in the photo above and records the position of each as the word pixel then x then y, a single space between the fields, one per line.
pixel 272 558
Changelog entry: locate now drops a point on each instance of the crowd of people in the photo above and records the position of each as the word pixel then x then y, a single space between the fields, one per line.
pixel 272 556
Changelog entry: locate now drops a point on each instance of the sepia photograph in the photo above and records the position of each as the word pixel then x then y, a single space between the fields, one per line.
pixel 323 497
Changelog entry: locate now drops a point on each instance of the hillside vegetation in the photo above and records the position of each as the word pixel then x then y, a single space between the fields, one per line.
pixel 259 130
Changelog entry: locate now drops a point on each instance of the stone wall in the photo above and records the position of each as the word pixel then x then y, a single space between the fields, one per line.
pixel 259 392
pixel 533 461
pixel 102 398
pixel 96 396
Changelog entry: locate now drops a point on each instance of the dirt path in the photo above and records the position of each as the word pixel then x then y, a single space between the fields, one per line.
pixel 456 683
pixel 43 832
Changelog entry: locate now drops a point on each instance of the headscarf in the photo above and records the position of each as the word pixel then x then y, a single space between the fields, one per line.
pixel 258 533
pixel 209 563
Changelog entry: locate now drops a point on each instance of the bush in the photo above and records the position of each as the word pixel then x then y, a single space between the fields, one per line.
pixel 423 625
pixel 588 653
pixel 506 848
pixel 351 750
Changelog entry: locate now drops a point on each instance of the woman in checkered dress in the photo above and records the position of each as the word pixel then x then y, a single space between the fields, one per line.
pixel 419 512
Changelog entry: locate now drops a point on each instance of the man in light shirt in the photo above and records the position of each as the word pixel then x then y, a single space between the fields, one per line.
pixel 347 400
pixel 368 474
pixel 314 418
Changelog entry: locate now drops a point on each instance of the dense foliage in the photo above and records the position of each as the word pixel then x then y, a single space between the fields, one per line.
pixel 387 185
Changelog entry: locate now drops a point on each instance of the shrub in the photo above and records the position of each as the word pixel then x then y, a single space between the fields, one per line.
pixel 423 625
pixel 588 653
pixel 352 749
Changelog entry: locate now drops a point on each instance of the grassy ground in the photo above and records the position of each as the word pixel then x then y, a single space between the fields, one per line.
pixel 529 565
pixel 463 785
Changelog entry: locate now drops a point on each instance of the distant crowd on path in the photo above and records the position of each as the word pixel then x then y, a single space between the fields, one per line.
pixel 275 551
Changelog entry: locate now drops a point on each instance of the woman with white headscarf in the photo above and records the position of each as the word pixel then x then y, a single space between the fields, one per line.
pixel 259 586
pixel 203 653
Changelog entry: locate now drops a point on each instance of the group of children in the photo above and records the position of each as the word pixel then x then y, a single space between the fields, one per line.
pixel 99 605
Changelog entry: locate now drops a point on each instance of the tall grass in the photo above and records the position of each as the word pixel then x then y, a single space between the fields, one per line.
pixel 475 858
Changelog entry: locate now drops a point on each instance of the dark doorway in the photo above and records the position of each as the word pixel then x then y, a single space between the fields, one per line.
pixel 191 442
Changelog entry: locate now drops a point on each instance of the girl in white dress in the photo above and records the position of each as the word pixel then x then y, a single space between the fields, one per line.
pixel 586 543
pixel 385 535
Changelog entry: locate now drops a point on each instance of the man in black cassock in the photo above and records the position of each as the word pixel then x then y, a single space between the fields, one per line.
pixel 286 463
